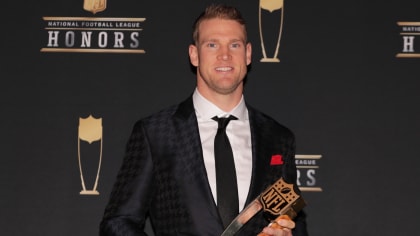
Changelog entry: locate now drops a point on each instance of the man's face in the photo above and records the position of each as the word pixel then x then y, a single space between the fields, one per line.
pixel 221 56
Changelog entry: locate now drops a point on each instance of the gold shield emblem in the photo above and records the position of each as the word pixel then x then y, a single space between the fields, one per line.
pixel 94 6
pixel 90 129
pixel 271 5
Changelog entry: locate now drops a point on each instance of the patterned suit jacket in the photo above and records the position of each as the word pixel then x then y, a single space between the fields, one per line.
pixel 163 176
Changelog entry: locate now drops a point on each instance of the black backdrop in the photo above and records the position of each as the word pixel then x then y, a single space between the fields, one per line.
pixel 339 86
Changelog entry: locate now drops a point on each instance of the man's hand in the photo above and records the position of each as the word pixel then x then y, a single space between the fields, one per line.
pixel 281 226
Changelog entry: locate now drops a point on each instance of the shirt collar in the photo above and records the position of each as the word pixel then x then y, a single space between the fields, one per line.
pixel 206 110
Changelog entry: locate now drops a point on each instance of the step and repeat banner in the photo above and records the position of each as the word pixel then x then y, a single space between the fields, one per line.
pixel 76 75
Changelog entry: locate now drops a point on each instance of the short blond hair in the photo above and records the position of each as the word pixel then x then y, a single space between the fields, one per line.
pixel 219 11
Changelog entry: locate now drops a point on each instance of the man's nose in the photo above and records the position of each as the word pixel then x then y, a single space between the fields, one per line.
pixel 224 53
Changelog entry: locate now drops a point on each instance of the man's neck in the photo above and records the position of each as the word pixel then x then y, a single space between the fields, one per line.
pixel 225 102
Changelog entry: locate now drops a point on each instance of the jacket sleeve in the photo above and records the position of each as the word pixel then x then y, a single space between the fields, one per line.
pixel 127 209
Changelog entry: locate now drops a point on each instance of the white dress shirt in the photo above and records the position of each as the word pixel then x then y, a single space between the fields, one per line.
pixel 239 134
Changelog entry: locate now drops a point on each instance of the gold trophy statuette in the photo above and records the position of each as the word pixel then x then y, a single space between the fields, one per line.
pixel 90 130
pixel 271 6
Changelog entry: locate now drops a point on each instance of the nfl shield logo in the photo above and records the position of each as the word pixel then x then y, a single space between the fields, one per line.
pixel 94 6
pixel 278 198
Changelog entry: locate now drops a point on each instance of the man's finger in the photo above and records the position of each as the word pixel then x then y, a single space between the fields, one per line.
pixel 286 223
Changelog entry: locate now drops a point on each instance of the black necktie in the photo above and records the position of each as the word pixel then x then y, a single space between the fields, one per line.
pixel 227 188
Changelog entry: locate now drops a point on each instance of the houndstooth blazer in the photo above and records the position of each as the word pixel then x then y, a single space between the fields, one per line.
pixel 163 176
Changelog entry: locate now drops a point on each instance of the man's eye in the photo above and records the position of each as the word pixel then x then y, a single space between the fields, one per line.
pixel 211 45
pixel 236 45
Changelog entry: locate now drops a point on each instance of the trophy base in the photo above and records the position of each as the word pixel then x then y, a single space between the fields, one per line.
pixel 270 59
pixel 89 192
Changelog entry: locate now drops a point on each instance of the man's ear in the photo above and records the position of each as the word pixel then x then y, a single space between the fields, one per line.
pixel 248 53
pixel 193 52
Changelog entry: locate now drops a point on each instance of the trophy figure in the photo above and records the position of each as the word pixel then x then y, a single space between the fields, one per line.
pixel 270 6
pixel 90 130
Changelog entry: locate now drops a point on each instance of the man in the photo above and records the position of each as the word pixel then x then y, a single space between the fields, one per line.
pixel 168 173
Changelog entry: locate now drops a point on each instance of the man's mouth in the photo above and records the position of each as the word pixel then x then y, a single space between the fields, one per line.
pixel 224 69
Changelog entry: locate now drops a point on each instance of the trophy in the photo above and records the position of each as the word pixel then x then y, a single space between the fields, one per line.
pixel 90 131
pixel 270 7
pixel 278 201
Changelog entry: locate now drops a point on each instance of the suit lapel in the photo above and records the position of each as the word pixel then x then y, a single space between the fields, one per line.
pixel 186 125
pixel 196 181
pixel 259 151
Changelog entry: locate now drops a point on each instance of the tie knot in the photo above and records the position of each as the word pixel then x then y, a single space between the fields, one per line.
pixel 224 121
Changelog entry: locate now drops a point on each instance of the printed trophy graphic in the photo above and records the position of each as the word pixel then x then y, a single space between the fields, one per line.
pixel 94 6
pixel 272 11
pixel 90 131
